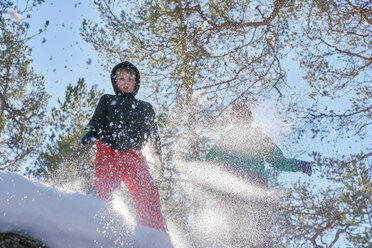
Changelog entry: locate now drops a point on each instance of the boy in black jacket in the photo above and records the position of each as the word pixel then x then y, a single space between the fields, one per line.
pixel 122 124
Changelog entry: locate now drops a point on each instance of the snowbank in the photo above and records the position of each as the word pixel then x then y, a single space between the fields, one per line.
pixel 65 219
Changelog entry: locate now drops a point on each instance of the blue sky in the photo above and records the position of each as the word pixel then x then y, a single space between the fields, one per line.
pixel 59 53
pixel 62 57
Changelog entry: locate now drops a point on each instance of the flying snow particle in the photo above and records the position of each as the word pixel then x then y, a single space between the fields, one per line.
pixel 14 16
pixel 172 6
pixel 193 18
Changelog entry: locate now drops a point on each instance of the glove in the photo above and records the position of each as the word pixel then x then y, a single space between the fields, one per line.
pixel 304 167
pixel 88 135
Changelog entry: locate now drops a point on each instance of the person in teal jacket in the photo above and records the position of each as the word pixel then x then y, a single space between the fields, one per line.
pixel 243 151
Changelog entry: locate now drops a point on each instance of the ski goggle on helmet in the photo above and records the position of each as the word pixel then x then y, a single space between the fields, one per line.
pixel 241 113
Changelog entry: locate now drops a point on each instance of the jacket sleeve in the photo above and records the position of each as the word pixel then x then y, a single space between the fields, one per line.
pixel 99 117
pixel 274 156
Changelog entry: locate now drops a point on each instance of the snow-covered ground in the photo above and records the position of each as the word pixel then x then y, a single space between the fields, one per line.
pixel 68 219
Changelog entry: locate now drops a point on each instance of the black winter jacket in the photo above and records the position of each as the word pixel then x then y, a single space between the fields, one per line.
pixel 123 122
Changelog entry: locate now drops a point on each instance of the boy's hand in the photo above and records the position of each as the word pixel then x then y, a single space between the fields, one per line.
pixel 88 135
pixel 304 167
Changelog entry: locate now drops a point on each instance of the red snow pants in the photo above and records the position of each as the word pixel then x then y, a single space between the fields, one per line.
pixel 114 167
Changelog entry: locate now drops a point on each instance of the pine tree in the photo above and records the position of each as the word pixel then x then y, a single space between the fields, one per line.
pixel 22 94
pixel 200 57
pixel 333 47
pixel 197 58
pixel 65 162
pixel 206 55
